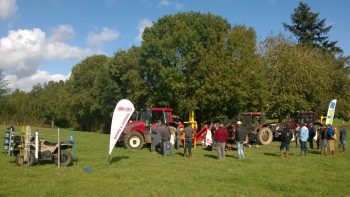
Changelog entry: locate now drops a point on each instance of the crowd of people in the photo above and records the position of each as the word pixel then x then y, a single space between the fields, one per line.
pixel 217 137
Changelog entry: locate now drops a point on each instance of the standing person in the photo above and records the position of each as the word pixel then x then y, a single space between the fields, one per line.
pixel 220 138
pixel 303 136
pixel 213 128
pixel 165 135
pixel 312 134
pixel 179 132
pixel 297 134
pixel 324 140
pixel 343 137
pixel 241 137
pixel 189 133
pixel 286 137
pixel 330 139
pixel 155 137
pixel 319 139
pixel 172 134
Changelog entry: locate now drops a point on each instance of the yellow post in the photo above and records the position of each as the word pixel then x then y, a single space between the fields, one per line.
pixel 322 118
pixel 193 124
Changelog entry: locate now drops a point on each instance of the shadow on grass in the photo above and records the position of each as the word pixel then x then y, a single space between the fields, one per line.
pixel 36 163
pixel 45 162
pixel 234 156
pixel 316 152
pixel 211 156
pixel 180 153
pixel 119 158
pixel 272 154
pixel 278 154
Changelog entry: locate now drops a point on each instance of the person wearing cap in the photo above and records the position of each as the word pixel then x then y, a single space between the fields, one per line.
pixel 220 137
pixel 304 136
pixel 241 137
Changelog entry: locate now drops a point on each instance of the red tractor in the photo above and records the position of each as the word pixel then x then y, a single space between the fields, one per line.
pixel 138 129
pixel 305 117
pixel 259 132
pixel 310 118
pixel 264 133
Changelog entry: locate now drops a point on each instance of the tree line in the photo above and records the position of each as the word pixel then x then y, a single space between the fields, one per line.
pixel 196 62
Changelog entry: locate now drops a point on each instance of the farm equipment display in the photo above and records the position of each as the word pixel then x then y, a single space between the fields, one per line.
pixel 29 149
pixel 259 132
pixel 310 118
pixel 137 132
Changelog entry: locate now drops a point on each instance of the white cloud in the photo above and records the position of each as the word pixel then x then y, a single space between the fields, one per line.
pixel 22 51
pixel 96 40
pixel 141 27
pixel 62 33
pixel 8 8
pixel 26 83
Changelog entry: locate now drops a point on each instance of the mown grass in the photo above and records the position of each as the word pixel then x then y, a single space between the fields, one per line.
pixel 141 173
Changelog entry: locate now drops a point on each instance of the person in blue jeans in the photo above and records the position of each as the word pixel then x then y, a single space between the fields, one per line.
pixel 286 137
pixel 304 136
pixel 343 137
pixel 165 135
pixel 189 134
pixel 240 138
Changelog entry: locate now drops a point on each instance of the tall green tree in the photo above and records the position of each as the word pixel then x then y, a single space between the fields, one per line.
pixel 93 94
pixel 171 52
pixel 310 30
pixel 126 73
pixel 18 108
pixel 301 77
pixel 54 104
pixel 341 87
pixel 232 77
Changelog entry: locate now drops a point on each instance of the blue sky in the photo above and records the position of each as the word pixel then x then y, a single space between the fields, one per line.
pixel 41 40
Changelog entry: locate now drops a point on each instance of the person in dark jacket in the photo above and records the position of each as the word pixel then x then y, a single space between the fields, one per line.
pixel 220 137
pixel 343 137
pixel 189 133
pixel 286 137
pixel 165 135
pixel 312 134
pixel 241 137
pixel 324 140
pixel 155 137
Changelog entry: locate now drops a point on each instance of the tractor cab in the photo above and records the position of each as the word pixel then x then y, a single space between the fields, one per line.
pixel 254 120
pixel 306 117
pixel 152 115
pixel 138 130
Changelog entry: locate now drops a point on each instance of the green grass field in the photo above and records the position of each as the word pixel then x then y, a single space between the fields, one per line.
pixel 141 173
